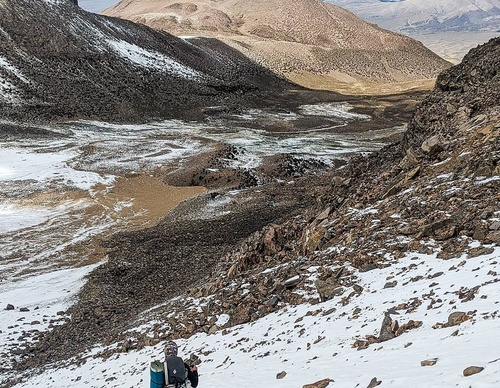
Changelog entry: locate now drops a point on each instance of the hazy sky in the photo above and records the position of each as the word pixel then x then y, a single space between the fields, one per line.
pixel 96 5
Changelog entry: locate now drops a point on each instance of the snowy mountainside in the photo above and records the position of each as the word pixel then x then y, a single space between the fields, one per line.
pixel 418 16
pixel 391 275
pixel 59 61
pixel 313 342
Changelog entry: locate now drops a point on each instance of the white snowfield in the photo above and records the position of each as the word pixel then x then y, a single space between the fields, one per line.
pixel 153 60
pixel 314 342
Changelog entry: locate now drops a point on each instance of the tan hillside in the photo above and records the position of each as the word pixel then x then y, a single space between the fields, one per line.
pixel 313 43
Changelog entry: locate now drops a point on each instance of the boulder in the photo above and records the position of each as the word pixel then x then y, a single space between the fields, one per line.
pixel 456 318
pixel 433 145
pixel 429 362
pixel 472 370
pixel 292 282
pixel 327 289
pixel 374 383
pixel 386 332
pixel 319 384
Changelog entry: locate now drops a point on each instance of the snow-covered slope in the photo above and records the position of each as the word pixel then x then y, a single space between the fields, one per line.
pixel 312 342
pixel 428 16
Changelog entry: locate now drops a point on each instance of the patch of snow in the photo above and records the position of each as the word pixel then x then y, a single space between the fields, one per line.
pixel 253 114
pixel 42 298
pixel 44 166
pixel 5 64
pixel 341 111
pixel 16 217
pixel 484 180
pixel 222 320
pixel 445 176
pixel 153 60
pixel 216 208
pixel 8 92
pixel 442 162
pixel 55 2
pixel 453 190
pixel 360 213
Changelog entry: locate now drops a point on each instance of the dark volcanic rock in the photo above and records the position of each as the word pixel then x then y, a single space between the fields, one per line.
pixel 139 275
pixel 364 219
pixel 471 86
pixel 59 61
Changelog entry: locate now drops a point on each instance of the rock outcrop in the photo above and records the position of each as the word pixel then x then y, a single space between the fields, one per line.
pixel 369 213
pixel 58 61
pixel 311 42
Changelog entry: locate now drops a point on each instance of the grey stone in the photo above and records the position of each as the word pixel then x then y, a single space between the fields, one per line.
pixel 274 301
pixel 386 332
pixel 456 318
pixel 433 145
pixel 374 383
pixel 292 282
pixel 429 362
pixel 327 289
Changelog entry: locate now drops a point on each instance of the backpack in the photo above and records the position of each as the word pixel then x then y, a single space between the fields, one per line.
pixel 175 372
pixel 157 374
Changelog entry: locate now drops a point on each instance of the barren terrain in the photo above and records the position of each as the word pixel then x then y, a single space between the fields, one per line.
pixel 307 41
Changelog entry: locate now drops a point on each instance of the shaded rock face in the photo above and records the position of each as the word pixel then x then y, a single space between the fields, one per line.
pixel 58 61
pixel 471 87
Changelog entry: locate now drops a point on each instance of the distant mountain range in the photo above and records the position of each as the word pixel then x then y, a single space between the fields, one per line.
pixel 311 42
pixel 428 16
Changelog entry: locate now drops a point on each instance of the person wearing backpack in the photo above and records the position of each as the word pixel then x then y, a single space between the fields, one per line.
pixel 178 373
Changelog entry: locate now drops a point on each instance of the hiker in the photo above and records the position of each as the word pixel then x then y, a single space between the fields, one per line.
pixel 177 372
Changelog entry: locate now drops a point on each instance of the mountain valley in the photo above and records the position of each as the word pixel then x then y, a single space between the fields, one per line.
pixel 310 42
pixel 158 184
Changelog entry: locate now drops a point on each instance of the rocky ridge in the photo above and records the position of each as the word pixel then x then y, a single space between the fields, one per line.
pixel 311 42
pixel 435 192
pixel 60 62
